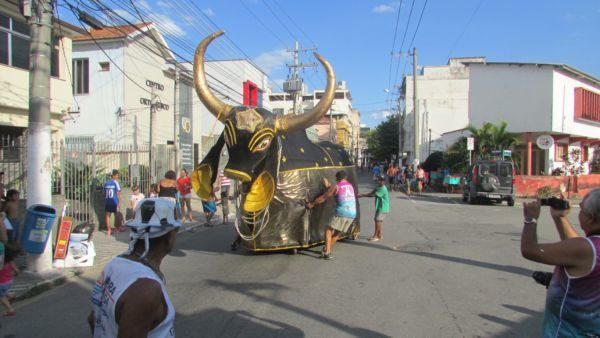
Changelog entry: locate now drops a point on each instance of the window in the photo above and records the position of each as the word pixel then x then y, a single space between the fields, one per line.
pixel 561 151
pixel 250 94
pixel 587 105
pixel 584 153
pixel 54 57
pixel 104 66
pixel 81 76
pixel 14 42
pixel 340 95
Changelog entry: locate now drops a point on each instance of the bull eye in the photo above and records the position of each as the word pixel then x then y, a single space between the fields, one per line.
pixel 263 144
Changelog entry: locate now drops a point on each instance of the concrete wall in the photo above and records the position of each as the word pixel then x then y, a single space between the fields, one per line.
pixel 573 186
pixel 443 97
pixel 519 95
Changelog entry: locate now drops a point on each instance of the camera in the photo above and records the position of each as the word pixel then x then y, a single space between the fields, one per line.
pixel 555 203
pixel 543 278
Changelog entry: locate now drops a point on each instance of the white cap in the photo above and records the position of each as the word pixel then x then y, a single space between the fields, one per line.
pixel 154 217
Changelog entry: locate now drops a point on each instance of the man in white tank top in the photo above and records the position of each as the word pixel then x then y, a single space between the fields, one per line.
pixel 129 298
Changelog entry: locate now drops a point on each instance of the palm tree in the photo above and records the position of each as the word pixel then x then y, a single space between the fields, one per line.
pixel 490 137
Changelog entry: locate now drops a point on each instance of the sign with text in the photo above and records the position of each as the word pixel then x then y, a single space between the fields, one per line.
pixel 545 142
pixel 470 143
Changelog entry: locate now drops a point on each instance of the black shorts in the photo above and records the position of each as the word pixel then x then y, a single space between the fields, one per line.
pixel 109 207
pixel 391 180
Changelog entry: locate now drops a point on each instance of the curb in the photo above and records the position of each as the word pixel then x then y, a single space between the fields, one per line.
pixel 48 284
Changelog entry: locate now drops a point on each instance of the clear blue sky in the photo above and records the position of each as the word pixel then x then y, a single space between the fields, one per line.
pixel 357 36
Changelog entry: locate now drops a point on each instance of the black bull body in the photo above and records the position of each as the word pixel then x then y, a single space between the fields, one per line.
pixel 298 168
pixel 279 167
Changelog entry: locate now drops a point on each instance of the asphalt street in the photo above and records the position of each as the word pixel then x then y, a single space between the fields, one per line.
pixel 443 269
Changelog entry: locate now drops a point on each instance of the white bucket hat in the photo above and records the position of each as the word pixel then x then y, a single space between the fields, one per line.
pixel 154 217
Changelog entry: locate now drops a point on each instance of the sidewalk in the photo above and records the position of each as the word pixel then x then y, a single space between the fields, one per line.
pixel 28 284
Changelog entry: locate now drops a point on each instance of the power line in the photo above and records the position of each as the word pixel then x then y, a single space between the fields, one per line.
pixel 465 28
pixel 262 23
pixel 278 19
pixel 418 25
pixel 294 23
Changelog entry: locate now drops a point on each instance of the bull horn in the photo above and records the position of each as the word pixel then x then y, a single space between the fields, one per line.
pixel 303 121
pixel 215 106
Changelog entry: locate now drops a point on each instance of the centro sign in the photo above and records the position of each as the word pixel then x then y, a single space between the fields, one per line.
pixel 155 85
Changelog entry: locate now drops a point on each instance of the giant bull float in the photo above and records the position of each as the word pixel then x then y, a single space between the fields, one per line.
pixel 278 166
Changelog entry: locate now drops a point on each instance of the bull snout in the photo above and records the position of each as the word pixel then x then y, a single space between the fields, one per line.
pixel 237 175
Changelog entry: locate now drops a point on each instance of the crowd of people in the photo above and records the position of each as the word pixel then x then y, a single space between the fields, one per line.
pixel 170 187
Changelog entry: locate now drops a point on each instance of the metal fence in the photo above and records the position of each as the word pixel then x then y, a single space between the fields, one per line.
pixel 80 166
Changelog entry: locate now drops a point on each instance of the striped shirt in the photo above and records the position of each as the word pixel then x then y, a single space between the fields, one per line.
pixel 225 181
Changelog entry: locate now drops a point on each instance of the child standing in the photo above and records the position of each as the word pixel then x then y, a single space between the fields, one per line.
pixel 136 197
pixel 225 206
pixel 382 207
pixel 6 279
pixel 153 190
pixel 11 208
pixel 209 206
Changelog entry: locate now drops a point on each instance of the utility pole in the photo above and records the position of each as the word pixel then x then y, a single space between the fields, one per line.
pixel 415 108
pixel 294 85
pixel 39 152
pixel 331 110
pixel 152 151
pixel 176 117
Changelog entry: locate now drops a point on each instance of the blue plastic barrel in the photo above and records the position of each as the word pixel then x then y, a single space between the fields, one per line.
pixel 36 230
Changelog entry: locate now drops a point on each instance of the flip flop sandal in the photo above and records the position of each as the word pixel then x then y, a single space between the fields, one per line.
pixel 8 313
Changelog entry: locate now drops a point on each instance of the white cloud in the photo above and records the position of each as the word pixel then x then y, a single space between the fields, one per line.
pixel 383 9
pixel 209 12
pixel 167 26
pixel 381 115
pixel 163 4
pixel 125 15
pixel 273 60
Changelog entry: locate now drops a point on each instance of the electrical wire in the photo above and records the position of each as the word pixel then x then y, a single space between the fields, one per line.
pixel 465 28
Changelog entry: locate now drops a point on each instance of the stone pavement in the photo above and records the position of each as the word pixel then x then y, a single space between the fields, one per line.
pixel 29 284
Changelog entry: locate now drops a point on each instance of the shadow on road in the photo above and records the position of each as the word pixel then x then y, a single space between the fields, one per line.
pixel 529 327
pixel 250 290
pixel 216 322
pixel 499 267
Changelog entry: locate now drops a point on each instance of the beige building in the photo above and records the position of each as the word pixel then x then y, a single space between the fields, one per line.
pixel 14 74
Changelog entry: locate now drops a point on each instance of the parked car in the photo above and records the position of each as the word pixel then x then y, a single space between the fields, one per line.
pixel 490 180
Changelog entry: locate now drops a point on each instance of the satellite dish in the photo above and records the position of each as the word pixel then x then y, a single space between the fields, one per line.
pixel 545 141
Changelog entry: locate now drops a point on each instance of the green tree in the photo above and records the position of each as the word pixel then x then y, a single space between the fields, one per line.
pixel 457 156
pixel 491 137
pixel 383 142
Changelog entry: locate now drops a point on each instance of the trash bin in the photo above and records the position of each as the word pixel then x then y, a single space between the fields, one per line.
pixel 38 223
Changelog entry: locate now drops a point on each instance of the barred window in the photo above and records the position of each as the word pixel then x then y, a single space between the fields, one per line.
pixel 81 76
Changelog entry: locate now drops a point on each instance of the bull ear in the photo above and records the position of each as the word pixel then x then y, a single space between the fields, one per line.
pixel 205 174
pixel 299 122
pixel 218 108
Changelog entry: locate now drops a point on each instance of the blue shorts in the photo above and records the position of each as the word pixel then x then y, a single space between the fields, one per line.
pixel 110 207
pixel 4 289
pixel 209 206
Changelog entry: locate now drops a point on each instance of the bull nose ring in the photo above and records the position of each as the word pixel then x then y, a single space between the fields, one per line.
pixel 237 175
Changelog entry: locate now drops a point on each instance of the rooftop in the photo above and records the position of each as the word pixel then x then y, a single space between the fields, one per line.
pixel 113 32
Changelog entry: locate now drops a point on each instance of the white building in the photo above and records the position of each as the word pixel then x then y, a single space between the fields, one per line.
pixel 117 72
pixel 443 99
pixel 534 100
pixel 539 99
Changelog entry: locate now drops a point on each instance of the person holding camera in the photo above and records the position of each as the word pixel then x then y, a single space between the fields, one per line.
pixel 573 298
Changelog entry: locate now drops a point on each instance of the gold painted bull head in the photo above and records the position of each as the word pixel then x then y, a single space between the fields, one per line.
pixel 249 134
